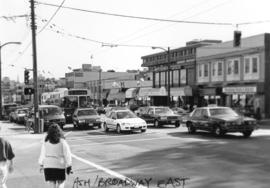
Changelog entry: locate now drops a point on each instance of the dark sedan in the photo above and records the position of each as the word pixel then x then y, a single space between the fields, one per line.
pixel 220 120
pixel 159 115
pixel 86 117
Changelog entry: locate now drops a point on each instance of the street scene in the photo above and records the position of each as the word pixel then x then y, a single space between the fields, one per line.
pixel 138 94
pixel 163 157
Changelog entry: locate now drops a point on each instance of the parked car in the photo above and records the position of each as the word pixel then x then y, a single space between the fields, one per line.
pixel 220 120
pixel 19 115
pixel 140 110
pixel 12 114
pixel 182 112
pixel 159 115
pixel 7 109
pixel 50 114
pixel 86 117
pixel 123 120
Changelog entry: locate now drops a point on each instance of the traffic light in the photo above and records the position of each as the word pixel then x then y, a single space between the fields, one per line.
pixel 28 91
pixel 236 38
pixel 26 76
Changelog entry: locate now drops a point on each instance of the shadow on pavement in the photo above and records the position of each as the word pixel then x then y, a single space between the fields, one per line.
pixel 217 163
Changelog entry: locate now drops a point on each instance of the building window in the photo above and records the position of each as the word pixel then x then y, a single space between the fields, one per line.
pixel 200 70
pixel 157 79
pixel 176 77
pixel 214 69
pixel 247 65
pixel 236 67
pixel 229 68
pixel 219 68
pixel 205 70
pixel 254 65
pixel 162 78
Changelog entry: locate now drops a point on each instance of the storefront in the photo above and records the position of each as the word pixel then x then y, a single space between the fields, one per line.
pixel 116 96
pixel 248 100
pixel 131 96
pixel 181 96
pixel 153 96
pixel 210 95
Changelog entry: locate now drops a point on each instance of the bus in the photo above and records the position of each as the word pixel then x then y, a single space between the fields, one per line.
pixel 75 98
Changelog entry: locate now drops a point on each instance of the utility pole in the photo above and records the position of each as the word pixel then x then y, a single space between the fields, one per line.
pixel 35 80
pixel 99 87
pixel 169 77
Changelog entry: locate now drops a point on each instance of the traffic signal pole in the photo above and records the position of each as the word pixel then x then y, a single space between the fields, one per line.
pixel 35 80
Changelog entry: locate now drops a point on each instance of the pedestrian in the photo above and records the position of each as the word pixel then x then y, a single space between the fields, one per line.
pixel 55 157
pixel 6 161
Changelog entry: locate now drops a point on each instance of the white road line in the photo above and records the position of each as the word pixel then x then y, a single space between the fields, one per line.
pixel 108 171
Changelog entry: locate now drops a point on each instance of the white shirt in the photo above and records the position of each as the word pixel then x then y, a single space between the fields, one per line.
pixel 55 155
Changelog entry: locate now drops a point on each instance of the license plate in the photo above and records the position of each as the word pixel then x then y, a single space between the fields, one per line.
pixel 172 121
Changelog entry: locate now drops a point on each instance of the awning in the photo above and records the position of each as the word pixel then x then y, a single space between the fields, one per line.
pixel 181 91
pixel 149 91
pixel 131 93
pixel 116 94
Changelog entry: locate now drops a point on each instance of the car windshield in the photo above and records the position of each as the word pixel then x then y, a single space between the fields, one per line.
pixel 163 111
pixel 22 111
pixel 51 111
pixel 87 112
pixel 222 111
pixel 125 115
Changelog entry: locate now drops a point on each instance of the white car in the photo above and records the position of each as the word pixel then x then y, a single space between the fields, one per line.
pixel 123 120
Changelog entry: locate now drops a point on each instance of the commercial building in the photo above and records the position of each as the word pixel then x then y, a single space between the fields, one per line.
pixel 107 86
pixel 236 76
pixel 182 66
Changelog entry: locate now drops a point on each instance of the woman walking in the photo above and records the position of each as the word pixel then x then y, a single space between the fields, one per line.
pixel 55 157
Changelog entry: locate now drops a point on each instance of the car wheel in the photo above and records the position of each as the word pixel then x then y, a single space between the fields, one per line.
pixel 156 123
pixel 118 129
pixel 218 131
pixel 247 134
pixel 191 128
pixel 105 127
pixel 177 124
pixel 143 130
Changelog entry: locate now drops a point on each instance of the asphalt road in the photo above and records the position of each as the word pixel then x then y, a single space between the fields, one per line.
pixel 162 157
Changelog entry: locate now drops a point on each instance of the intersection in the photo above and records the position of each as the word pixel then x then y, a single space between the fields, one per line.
pixel 161 157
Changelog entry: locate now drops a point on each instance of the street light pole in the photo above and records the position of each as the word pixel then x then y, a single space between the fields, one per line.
pixel 169 70
pixel 1 46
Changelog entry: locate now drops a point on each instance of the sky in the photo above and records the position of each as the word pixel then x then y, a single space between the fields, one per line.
pixel 73 37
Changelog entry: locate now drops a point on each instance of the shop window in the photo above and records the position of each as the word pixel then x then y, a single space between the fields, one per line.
pixel 254 65
pixel 205 70
pixel 247 65
pixel 236 67
pixel 219 68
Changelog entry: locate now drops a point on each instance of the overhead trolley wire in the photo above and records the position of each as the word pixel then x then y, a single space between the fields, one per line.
pixel 136 17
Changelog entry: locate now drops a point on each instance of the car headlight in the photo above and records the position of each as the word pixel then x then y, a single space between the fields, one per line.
pixel 98 119
pixel 82 121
